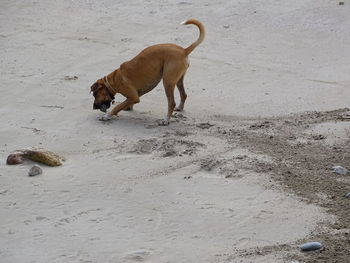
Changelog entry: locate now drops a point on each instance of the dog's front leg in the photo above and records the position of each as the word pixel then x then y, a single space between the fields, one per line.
pixel 125 104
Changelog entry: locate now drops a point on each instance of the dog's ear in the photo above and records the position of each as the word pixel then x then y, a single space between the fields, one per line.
pixel 95 87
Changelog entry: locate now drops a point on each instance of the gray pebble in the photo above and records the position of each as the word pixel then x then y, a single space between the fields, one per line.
pixel 347 195
pixel 339 170
pixel 311 246
pixel 35 170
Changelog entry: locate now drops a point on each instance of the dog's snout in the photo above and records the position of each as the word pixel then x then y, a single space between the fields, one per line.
pixel 104 108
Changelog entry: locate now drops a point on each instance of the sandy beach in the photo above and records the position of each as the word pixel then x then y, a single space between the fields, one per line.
pixel 243 174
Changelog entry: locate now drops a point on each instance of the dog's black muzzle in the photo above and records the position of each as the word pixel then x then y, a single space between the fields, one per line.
pixel 103 106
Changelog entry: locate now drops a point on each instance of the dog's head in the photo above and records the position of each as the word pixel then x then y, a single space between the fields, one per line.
pixel 103 98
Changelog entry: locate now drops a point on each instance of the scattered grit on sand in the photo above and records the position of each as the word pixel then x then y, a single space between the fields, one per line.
pixel 242 175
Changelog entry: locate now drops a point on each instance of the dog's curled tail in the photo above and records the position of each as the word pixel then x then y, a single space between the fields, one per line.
pixel 200 26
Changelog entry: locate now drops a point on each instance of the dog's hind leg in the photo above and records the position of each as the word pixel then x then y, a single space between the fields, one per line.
pixel 172 73
pixel 169 92
pixel 183 95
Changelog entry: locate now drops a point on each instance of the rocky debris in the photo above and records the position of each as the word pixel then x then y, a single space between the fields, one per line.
pixel 262 125
pixel 344 117
pixel 210 164
pixel 35 154
pixel 126 39
pixel 169 153
pixel 35 130
pixel 70 77
pixel 311 246
pixel 162 122
pixel 35 170
pixel 204 125
pixel 52 106
pixel 318 137
pixel 340 170
pixel 178 115
pixel 229 172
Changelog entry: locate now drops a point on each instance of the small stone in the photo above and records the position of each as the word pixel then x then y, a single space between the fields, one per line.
pixel 340 170
pixel 311 246
pixel 35 170
pixel 341 3
pixel 347 195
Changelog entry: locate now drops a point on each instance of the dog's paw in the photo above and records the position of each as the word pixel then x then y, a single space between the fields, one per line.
pixel 163 122
pixel 178 109
pixel 105 117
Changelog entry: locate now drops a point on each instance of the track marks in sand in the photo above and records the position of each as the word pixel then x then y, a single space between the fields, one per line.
pixel 280 147
pixel 166 147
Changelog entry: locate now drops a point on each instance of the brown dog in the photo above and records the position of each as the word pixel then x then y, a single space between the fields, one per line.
pixel 143 73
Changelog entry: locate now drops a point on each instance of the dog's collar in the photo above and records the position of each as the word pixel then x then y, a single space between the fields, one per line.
pixel 106 82
pixel 108 87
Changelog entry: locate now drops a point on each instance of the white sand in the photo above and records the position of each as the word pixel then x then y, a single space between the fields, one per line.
pixel 109 204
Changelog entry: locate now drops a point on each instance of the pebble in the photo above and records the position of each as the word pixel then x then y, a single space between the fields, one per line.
pixel 311 246
pixel 347 195
pixel 339 170
pixel 35 170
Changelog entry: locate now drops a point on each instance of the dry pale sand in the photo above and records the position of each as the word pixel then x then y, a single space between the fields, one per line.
pixel 242 175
